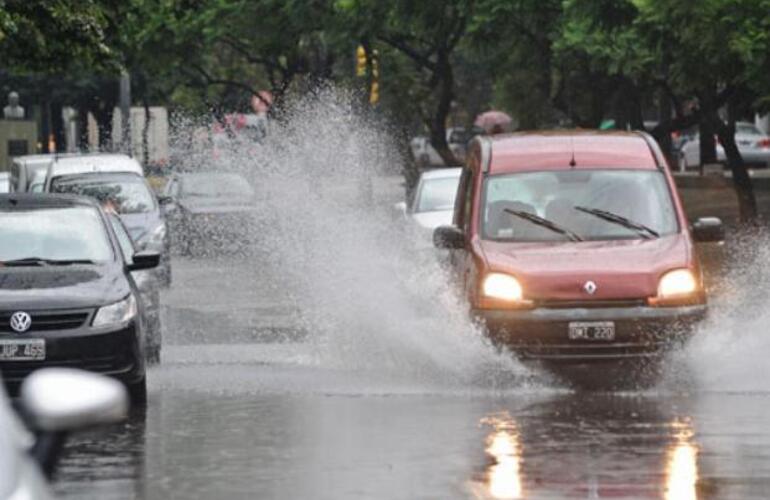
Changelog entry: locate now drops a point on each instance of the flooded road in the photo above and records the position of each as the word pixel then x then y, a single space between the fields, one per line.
pixel 247 410
pixel 335 362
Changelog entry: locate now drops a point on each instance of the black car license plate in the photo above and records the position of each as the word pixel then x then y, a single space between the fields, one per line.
pixel 592 330
pixel 22 350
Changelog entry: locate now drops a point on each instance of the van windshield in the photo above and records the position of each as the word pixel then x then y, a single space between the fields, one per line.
pixel 578 204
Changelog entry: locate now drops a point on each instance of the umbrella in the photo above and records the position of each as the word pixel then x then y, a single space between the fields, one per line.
pixel 493 121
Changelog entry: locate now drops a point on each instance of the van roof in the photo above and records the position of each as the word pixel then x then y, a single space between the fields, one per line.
pixel 95 163
pixel 556 150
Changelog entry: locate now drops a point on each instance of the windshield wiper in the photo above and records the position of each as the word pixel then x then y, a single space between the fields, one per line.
pixel 537 220
pixel 644 231
pixel 39 261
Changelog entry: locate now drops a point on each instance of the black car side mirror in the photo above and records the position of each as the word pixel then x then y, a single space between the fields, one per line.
pixel 708 229
pixel 144 260
pixel 448 237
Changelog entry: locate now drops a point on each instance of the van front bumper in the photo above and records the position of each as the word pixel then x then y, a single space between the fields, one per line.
pixel 543 333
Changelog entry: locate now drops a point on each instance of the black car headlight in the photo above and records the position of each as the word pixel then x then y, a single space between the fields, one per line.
pixel 116 314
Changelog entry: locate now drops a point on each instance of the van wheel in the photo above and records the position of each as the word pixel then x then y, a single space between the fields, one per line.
pixel 138 392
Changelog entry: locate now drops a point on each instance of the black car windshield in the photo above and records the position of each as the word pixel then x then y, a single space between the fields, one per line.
pixel 216 185
pixel 592 204
pixel 56 234
pixel 437 194
pixel 128 192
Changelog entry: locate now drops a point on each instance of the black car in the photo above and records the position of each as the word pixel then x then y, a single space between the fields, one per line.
pixel 67 297
pixel 134 202
pixel 210 210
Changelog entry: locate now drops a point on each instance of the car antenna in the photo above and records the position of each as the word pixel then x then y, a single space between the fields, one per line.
pixel 572 162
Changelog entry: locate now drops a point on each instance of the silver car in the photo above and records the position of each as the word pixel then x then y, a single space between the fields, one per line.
pixel 753 145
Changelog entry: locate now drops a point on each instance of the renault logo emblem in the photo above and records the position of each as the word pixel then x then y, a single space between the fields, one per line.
pixel 20 322
pixel 590 287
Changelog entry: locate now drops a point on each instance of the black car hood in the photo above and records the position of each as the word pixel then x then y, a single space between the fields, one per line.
pixel 55 287
pixel 217 205
pixel 140 224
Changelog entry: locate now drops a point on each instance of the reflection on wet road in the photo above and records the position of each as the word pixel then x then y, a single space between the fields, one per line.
pixel 257 415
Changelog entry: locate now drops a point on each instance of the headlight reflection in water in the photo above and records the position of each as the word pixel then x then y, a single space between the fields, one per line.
pixel 503 476
pixel 682 465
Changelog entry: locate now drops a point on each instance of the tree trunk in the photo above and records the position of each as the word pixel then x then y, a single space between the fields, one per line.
pixel 438 140
pixel 45 122
pixel 664 115
pixel 708 145
pixel 57 126
pixel 82 129
pixel 744 189
pixel 146 134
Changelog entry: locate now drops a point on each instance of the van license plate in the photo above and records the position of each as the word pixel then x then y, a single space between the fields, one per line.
pixel 22 350
pixel 592 330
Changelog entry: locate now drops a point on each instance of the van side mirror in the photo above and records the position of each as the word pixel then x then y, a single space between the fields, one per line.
pixel 708 229
pixel 448 237
pixel 144 260
pixel 400 208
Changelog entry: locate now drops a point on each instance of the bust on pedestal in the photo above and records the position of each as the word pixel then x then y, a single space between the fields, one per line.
pixel 13 111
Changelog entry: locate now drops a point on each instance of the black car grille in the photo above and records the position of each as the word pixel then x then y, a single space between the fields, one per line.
pixel 589 304
pixel 43 321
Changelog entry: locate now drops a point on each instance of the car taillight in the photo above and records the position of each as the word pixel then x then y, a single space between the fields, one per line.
pixel 764 143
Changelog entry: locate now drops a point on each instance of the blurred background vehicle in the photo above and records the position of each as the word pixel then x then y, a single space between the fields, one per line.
pixel 68 298
pixel 753 145
pixel 54 403
pixel 23 168
pixel 210 210
pixel 457 138
pixel 119 179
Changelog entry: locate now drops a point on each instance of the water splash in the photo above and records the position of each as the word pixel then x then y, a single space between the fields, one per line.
pixel 327 176
pixel 729 352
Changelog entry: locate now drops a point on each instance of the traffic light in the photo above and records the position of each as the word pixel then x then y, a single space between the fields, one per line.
pixel 360 61
pixel 374 91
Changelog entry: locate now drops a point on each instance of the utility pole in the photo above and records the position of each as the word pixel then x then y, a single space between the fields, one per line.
pixel 125 112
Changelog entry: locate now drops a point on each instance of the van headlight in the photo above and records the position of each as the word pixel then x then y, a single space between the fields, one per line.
pixel 117 313
pixel 502 287
pixel 677 283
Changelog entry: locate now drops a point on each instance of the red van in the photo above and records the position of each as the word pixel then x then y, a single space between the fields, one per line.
pixel 573 246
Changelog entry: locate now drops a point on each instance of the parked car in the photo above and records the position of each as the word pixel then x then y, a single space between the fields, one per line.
pixel 574 246
pixel 210 209
pixel 457 139
pixel 433 202
pixel 119 179
pixel 753 145
pixel 54 403
pixel 23 168
pixel 68 297
pixel 5 182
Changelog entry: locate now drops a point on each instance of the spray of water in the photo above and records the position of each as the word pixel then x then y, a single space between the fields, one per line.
pixel 729 352
pixel 371 302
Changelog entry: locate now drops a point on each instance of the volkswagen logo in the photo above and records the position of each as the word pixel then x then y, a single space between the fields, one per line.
pixel 590 287
pixel 20 322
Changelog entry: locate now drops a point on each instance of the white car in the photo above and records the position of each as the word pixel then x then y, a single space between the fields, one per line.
pixel 753 145
pixel 433 202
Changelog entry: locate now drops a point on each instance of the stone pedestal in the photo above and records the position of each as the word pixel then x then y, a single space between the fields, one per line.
pixel 17 138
